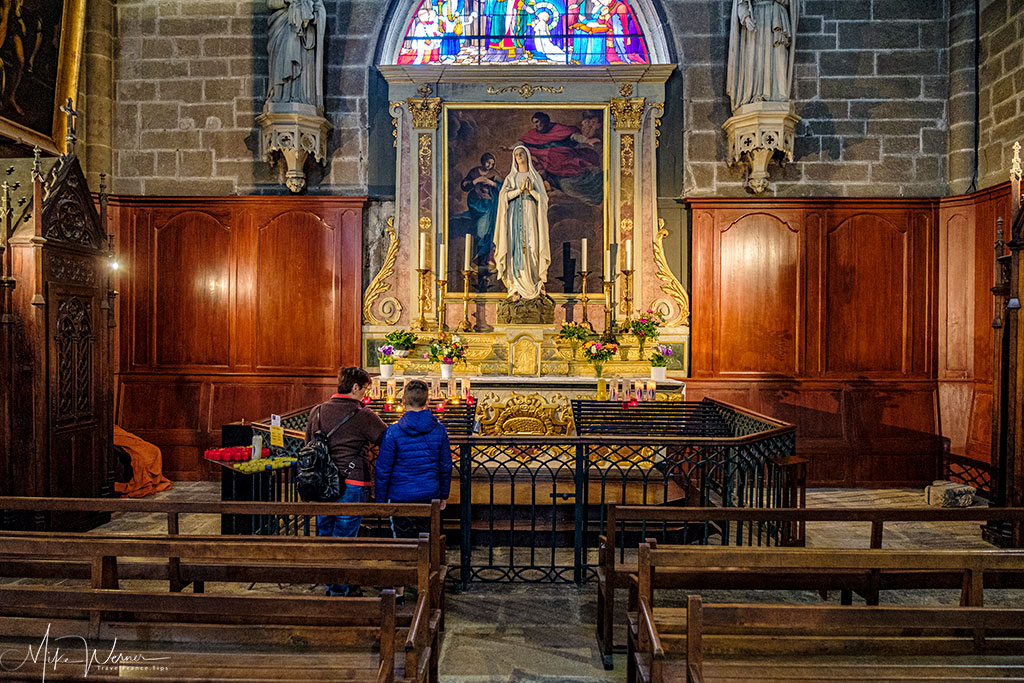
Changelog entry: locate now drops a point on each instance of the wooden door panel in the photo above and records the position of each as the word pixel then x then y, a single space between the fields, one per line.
pixel 192 286
pixel 759 296
pixel 297 307
pixel 865 298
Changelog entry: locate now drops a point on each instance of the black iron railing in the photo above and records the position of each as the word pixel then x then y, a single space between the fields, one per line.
pixel 531 507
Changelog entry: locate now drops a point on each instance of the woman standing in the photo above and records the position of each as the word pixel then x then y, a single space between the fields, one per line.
pixel 522 251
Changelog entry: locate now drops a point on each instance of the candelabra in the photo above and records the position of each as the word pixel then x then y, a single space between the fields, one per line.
pixel 465 325
pixel 609 332
pixel 584 299
pixel 424 297
pixel 442 309
pixel 627 289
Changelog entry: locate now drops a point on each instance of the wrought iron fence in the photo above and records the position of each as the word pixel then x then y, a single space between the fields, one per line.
pixel 531 507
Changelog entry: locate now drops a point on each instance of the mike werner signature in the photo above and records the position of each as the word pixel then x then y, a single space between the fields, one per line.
pixel 50 655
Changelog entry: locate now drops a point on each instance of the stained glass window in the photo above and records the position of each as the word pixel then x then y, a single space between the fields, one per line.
pixel 585 32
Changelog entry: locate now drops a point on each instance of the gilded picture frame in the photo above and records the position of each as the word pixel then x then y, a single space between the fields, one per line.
pixel 33 58
pixel 503 125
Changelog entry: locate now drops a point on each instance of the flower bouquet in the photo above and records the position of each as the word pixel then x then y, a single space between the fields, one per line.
pixel 598 353
pixel 644 326
pixel 575 334
pixel 659 359
pixel 402 341
pixel 446 349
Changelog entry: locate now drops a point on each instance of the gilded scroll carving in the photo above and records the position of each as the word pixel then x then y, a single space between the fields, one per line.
pixel 669 284
pixel 526 91
pixel 390 308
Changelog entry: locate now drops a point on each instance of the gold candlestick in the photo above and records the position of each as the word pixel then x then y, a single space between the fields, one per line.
pixel 609 332
pixel 584 299
pixel 442 310
pixel 627 290
pixel 465 325
pixel 423 296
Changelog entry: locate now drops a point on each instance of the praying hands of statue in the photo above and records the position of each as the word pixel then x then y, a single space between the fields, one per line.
pixel 747 16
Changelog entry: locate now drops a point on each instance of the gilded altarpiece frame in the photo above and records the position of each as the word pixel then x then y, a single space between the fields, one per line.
pixel 406 292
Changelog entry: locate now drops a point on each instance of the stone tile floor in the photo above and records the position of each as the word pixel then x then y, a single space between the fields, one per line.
pixel 544 633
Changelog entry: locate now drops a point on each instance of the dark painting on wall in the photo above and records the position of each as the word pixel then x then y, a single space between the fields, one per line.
pixel 30 59
pixel 567 148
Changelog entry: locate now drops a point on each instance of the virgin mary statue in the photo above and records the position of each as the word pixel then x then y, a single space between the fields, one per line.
pixel 522 250
pixel 761 51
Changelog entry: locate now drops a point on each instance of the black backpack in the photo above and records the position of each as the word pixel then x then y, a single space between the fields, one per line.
pixel 317 480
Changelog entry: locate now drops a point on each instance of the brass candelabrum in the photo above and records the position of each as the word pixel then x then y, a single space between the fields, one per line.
pixel 609 332
pixel 627 289
pixel 465 325
pixel 442 309
pixel 584 299
pixel 423 296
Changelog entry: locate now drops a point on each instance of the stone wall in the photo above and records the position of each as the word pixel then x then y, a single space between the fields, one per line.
pixel 1001 88
pixel 884 88
pixel 871 88
pixel 191 78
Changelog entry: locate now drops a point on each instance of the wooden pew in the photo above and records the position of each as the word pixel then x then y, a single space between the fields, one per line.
pixel 744 525
pixel 382 562
pixel 659 635
pixel 203 637
pixel 746 642
pixel 173 509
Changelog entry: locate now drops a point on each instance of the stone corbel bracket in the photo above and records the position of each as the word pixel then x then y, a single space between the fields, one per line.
pixel 294 134
pixel 758 133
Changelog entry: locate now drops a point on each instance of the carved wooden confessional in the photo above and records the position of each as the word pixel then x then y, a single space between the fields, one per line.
pixel 1008 372
pixel 56 329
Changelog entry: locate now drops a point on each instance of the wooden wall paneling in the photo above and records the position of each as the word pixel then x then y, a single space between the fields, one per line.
pixel 298 292
pixel 759 294
pixel 813 352
pixel 702 297
pixel 866 307
pixel 192 276
pixel 351 274
pixel 137 301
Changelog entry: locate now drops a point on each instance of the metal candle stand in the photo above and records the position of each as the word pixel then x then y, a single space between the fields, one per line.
pixel 424 297
pixel 584 299
pixel 465 325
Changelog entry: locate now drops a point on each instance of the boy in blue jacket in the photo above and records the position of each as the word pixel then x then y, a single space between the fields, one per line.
pixel 414 464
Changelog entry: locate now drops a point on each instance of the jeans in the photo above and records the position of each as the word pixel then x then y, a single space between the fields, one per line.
pixel 342 525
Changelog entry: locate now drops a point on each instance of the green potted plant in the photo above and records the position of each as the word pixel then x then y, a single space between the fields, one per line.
pixel 659 359
pixel 575 334
pixel 386 360
pixel 598 353
pixel 402 341
pixel 644 326
pixel 446 349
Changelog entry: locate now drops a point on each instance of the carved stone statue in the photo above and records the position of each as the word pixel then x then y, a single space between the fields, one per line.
pixel 296 50
pixel 761 51
pixel 759 81
pixel 293 123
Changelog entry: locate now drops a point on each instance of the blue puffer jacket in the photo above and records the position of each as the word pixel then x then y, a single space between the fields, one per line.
pixel 415 460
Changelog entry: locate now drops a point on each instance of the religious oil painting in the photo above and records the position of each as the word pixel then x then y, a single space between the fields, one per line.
pixel 584 32
pixel 555 154
pixel 40 42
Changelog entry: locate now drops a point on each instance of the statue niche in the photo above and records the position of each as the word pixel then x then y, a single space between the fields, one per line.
pixel 293 120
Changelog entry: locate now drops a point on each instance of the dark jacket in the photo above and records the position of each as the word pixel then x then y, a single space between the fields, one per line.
pixel 415 460
pixel 347 445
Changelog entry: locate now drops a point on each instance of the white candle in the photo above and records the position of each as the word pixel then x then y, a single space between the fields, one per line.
pixel 652 386
pixel 469 250
pixel 423 254
pixel 629 255
pixel 607 265
pixel 583 255
pixel 442 272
